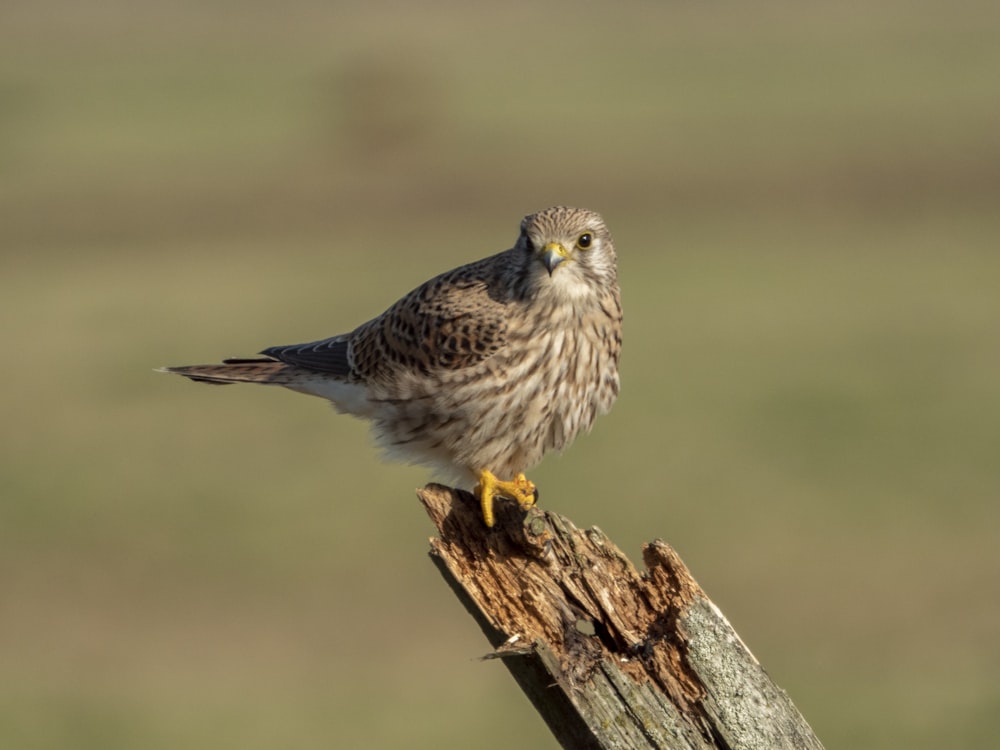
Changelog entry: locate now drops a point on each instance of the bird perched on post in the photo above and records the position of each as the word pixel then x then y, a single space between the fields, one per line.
pixel 480 371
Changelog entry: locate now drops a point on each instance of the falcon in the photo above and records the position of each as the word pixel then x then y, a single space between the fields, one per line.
pixel 482 370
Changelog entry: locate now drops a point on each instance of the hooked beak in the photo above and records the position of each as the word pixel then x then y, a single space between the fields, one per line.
pixel 552 255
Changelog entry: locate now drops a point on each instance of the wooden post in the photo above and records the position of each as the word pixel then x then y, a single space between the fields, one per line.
pixel 610 657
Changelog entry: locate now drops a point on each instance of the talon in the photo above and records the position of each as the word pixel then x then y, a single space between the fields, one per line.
pixel 521 489
pixel 527 493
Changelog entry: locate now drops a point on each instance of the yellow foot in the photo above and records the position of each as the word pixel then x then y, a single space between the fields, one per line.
pixel 520 489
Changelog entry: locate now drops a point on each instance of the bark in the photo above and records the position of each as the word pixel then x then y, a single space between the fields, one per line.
pixel 610 657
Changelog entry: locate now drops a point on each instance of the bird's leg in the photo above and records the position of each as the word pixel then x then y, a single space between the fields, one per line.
pixel 520 489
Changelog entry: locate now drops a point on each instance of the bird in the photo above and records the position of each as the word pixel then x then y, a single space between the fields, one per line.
pixel 480 371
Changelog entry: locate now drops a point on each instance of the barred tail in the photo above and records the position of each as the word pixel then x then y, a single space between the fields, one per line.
pixel 265 371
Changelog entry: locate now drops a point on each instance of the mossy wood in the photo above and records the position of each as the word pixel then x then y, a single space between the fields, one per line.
pixel 610 657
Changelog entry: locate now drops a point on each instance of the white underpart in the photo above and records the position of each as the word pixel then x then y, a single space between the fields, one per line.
pixel 347 398
pixel 567 285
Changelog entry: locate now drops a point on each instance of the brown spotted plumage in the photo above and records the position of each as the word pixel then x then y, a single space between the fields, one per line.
pixel 481 370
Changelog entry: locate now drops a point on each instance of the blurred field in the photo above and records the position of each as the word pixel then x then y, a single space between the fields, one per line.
pixel 805 201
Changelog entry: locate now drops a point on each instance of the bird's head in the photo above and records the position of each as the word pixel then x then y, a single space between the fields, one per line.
pixel 568 250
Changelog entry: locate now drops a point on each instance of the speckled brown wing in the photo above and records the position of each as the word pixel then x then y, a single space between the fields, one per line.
pixel 451 322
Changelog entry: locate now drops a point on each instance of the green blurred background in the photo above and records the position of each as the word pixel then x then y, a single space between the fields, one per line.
pixel 805 200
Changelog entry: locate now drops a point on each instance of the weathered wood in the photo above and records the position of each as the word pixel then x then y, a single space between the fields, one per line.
pixel 610 657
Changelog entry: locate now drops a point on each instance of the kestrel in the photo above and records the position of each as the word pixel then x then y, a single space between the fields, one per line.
pixel 480 371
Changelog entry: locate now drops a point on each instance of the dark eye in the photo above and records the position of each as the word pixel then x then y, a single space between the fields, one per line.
pixel 585 240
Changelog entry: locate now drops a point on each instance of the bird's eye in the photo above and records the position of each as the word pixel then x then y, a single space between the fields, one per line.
pixel 585 240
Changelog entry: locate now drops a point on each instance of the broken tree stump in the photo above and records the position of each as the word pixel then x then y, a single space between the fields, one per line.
pixel 610 657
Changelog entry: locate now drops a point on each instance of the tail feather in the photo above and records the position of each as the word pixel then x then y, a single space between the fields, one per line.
pixel 265 371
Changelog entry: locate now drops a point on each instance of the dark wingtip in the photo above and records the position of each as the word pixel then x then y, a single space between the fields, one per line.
pixel 328 355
